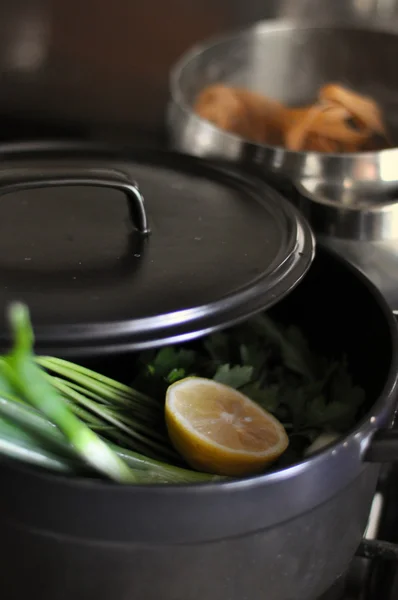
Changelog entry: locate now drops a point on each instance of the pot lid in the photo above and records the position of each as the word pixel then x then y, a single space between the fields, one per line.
pixel 102 269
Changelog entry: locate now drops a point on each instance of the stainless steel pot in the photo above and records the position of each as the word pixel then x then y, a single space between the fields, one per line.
pixel 289 61
pixel 286 534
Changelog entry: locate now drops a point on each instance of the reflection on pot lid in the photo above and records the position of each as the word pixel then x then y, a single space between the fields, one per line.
pixel 74 247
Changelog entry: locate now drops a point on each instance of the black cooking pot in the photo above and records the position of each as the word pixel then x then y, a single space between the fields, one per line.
pixel 285 535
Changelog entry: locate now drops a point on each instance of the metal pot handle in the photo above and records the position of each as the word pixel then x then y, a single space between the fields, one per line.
pixel 379 549
pixel 383 447
pixel 106 179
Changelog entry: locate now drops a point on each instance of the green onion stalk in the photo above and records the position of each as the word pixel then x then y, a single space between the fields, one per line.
pixel 63 417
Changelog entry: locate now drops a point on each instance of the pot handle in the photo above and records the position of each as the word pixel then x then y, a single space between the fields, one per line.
pixel 130 188
pixel 383 446
pixel 378 549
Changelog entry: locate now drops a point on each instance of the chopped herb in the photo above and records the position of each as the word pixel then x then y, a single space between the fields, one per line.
pixel 274 366
pixel 235 376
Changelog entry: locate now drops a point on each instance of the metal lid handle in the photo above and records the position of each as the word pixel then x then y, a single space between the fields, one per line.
pixel 134 197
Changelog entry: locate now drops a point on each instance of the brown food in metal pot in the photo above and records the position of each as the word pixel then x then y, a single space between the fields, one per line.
pixel 331 127
pixel 362 109
pixel 242 112
pixel 339 121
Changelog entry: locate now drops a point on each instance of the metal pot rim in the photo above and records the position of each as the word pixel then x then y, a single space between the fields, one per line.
pixel 263 27
pixel 387 207
pixel 168 514
pixel 376 418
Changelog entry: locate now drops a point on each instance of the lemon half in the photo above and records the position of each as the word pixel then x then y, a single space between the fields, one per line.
pixel 218 430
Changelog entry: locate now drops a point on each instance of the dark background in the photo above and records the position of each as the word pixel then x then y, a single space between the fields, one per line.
pixel 104 65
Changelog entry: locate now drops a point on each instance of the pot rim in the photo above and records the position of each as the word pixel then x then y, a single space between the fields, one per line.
pixel 177 73
pixel 104 512
pixel 375 419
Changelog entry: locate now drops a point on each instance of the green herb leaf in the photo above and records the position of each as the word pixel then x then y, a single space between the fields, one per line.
pixel 291 354
pixel 170 358
pixel 235 377
pixel 218 347
pixel 175 375
pixel 255 355
pixel 267 397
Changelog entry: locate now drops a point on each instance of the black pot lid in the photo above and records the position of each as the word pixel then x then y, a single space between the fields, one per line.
pixel 75 248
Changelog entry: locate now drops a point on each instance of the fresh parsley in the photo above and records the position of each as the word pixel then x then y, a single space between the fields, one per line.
pixel 274 366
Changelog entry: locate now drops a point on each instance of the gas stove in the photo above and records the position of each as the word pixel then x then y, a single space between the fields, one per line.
pixel 373 574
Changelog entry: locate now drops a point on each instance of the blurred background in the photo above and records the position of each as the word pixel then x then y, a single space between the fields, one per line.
pixel 102 67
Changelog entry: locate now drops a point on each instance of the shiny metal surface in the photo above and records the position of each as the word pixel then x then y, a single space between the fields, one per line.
pixel 290 61
pixel 139 219
pixel 344 210
pixel 105 65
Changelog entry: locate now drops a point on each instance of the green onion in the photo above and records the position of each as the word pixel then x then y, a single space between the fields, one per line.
pixel 47 422
pixel 42 431
pixel 32 423
pixel 108 389
pixel 19 450
pixel 19 445
pixel 60 416
pixel 29 380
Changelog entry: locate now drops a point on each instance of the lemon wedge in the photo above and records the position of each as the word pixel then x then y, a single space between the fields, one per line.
pixel 218 430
